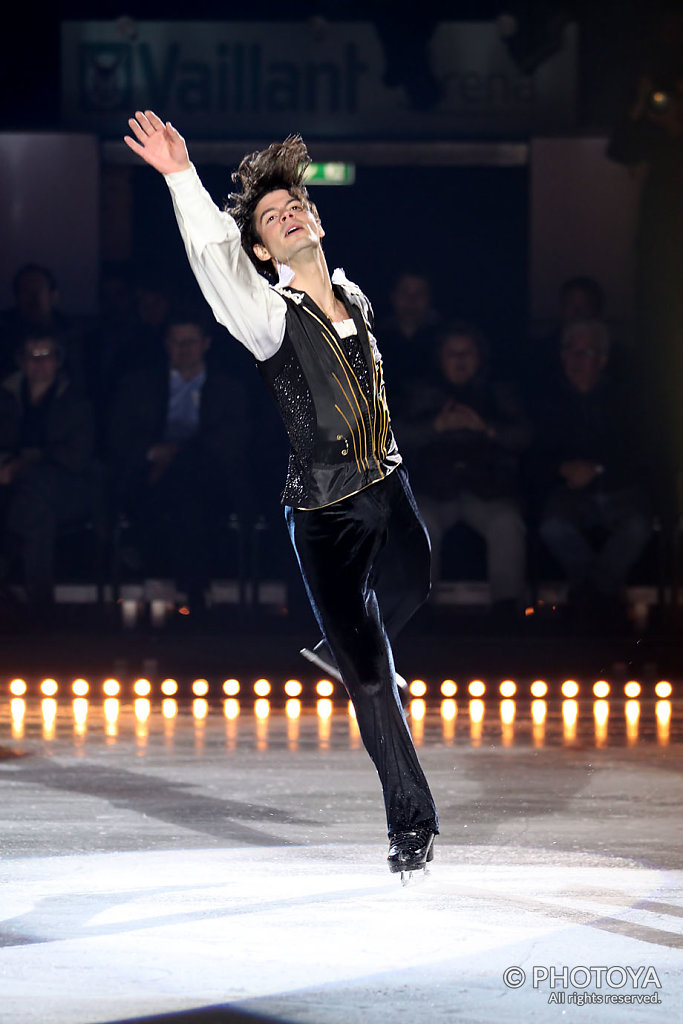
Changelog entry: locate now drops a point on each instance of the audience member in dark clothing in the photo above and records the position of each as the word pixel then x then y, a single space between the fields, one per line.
pixel 463 439
pixel 580 298
pixel 178 441
pixel 409 337
pixel 136 342
pixel 589 442
pixel 46 444
pixel 36 312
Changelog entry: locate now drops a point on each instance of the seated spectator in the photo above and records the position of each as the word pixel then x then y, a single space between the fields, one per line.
pixel 46 444
pixel 36 312
pixel 408 336
pixel 462 442
pixel 589 447
pixel 177 439
pixel 579 299
pixel 136 341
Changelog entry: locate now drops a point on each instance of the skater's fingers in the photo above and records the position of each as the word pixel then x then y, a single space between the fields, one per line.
pixel 156 122
pixel 135 146
pixel 139 132
pixel 144 122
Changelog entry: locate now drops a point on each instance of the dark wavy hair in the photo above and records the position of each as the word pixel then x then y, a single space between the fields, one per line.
pixel 281 166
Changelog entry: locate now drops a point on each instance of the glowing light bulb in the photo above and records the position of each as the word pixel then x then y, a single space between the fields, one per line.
pixel 49 687
pixel 325 688
pixel 261 688
pixel 601 688
pixel 200 687
pixel 231 687
pixel 477 688
pixel 18 687
pixel 111 688
pixel 570 688
pixel 418 688
pixel 293 687
pixel 632 688
pixel 539 688
pixel 142 687
pixel 449 688
pixel 508 688
pixel 169 687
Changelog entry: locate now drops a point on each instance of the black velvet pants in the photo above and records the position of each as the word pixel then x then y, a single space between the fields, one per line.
pixel 365 563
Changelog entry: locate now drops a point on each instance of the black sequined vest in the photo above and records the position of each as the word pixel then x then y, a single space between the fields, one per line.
pixel 330 393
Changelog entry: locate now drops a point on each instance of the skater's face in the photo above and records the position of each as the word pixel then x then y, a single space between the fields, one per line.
pixel 286 225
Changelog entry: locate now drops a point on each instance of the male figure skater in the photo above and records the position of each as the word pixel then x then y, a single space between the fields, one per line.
pixel 347 495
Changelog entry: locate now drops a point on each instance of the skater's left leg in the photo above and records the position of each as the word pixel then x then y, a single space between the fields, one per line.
pixel 401 575
pixel 401 569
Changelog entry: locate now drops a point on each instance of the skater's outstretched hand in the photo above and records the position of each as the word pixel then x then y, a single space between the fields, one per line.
pixel 159 144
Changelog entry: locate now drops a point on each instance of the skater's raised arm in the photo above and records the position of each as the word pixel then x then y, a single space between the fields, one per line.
pixel 240 298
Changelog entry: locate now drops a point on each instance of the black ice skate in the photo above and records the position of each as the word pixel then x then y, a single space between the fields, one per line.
pixel 321 656
pixel 410 850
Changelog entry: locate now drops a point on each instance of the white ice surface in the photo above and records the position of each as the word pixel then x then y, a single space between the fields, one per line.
pixel 324 934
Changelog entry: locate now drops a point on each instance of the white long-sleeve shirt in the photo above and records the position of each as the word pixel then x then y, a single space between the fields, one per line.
pixel 241 299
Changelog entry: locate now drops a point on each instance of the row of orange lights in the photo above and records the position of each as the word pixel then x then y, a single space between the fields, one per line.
pixel 324 688
pixel 324 708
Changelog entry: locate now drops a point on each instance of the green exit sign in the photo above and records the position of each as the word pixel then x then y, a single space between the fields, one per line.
pixel 330 174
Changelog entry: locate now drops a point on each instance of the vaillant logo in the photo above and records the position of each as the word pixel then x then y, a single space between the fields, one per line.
pixel 247 79
pixel 106 76
pixel 237 78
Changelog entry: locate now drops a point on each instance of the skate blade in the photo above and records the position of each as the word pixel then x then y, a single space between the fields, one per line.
pixel 413 877
pixel 330 670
